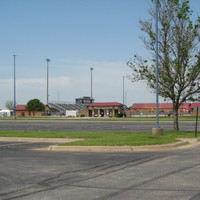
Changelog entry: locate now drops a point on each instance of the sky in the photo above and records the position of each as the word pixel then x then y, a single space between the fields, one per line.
pixel 75 35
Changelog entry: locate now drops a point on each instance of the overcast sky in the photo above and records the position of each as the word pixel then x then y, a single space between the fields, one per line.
pixel 76 35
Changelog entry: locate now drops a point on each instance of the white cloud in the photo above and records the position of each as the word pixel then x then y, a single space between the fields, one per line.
pixel 71 79
pixel 27 89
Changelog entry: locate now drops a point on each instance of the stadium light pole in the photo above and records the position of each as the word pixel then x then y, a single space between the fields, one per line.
pixel 14 109
pixel 157 86
pixel 91 95
pixel 123 99
pixel 157 130
pixel 48 60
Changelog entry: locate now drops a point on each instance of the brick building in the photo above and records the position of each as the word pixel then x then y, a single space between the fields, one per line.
pixel 22 112
pixel 164 108
pixel 104 109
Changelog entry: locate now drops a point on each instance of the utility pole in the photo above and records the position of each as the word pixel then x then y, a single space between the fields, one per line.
pixel 91 95
pixel 48 60
pixel 14 109
pixel 123 99
pixel 157 130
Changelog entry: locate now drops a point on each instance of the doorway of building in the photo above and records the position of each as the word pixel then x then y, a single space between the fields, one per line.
pixel 90 113
pixel 102 112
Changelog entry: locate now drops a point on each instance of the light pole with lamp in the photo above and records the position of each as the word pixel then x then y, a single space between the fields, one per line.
pixel 157 130
pixel 14 108
pixel 91 68
pixel 48 60
pixel 123 99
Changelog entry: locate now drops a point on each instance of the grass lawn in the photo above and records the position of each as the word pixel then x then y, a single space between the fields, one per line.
pixel 104 138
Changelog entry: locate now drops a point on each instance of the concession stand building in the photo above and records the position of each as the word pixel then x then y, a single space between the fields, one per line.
pixel 104 109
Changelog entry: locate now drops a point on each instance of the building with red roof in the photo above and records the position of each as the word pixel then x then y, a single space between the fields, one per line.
pixel 112 109
pixel 164 108
pixel 104 109
pixel 193 105
pixel 21 111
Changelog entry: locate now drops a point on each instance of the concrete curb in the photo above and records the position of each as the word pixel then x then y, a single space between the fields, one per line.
pixel 177 145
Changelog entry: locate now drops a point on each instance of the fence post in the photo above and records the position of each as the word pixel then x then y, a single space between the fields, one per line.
pixel 197 114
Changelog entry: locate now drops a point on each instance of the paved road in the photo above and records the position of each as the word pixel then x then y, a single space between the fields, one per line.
pixel 27 174
pixel 90 125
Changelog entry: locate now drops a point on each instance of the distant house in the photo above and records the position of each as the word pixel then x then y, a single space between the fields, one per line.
pixel 22 112
pixel 164 108
pixel 104 109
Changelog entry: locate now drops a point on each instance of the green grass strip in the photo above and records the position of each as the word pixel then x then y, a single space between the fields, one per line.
pixel 104 138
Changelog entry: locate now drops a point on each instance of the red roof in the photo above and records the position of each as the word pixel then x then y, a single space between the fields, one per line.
pixel 195 105
pixel 21 107
pixel 105 104
pixel 161 105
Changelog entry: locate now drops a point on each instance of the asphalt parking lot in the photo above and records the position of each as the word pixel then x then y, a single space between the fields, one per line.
pixel 24 145
pixel 30 174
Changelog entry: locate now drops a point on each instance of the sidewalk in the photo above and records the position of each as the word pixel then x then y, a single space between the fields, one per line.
pixel 184 143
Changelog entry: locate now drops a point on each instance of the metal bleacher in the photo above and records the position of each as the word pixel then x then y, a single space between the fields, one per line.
pixel 62 107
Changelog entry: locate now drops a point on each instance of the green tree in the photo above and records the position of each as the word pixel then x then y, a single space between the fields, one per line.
pixel 35 105
pixel 179 55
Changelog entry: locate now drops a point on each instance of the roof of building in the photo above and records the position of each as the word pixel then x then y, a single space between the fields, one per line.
pixel 161 105
pixel 104 104
pixel 195 105
pixel 21 107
